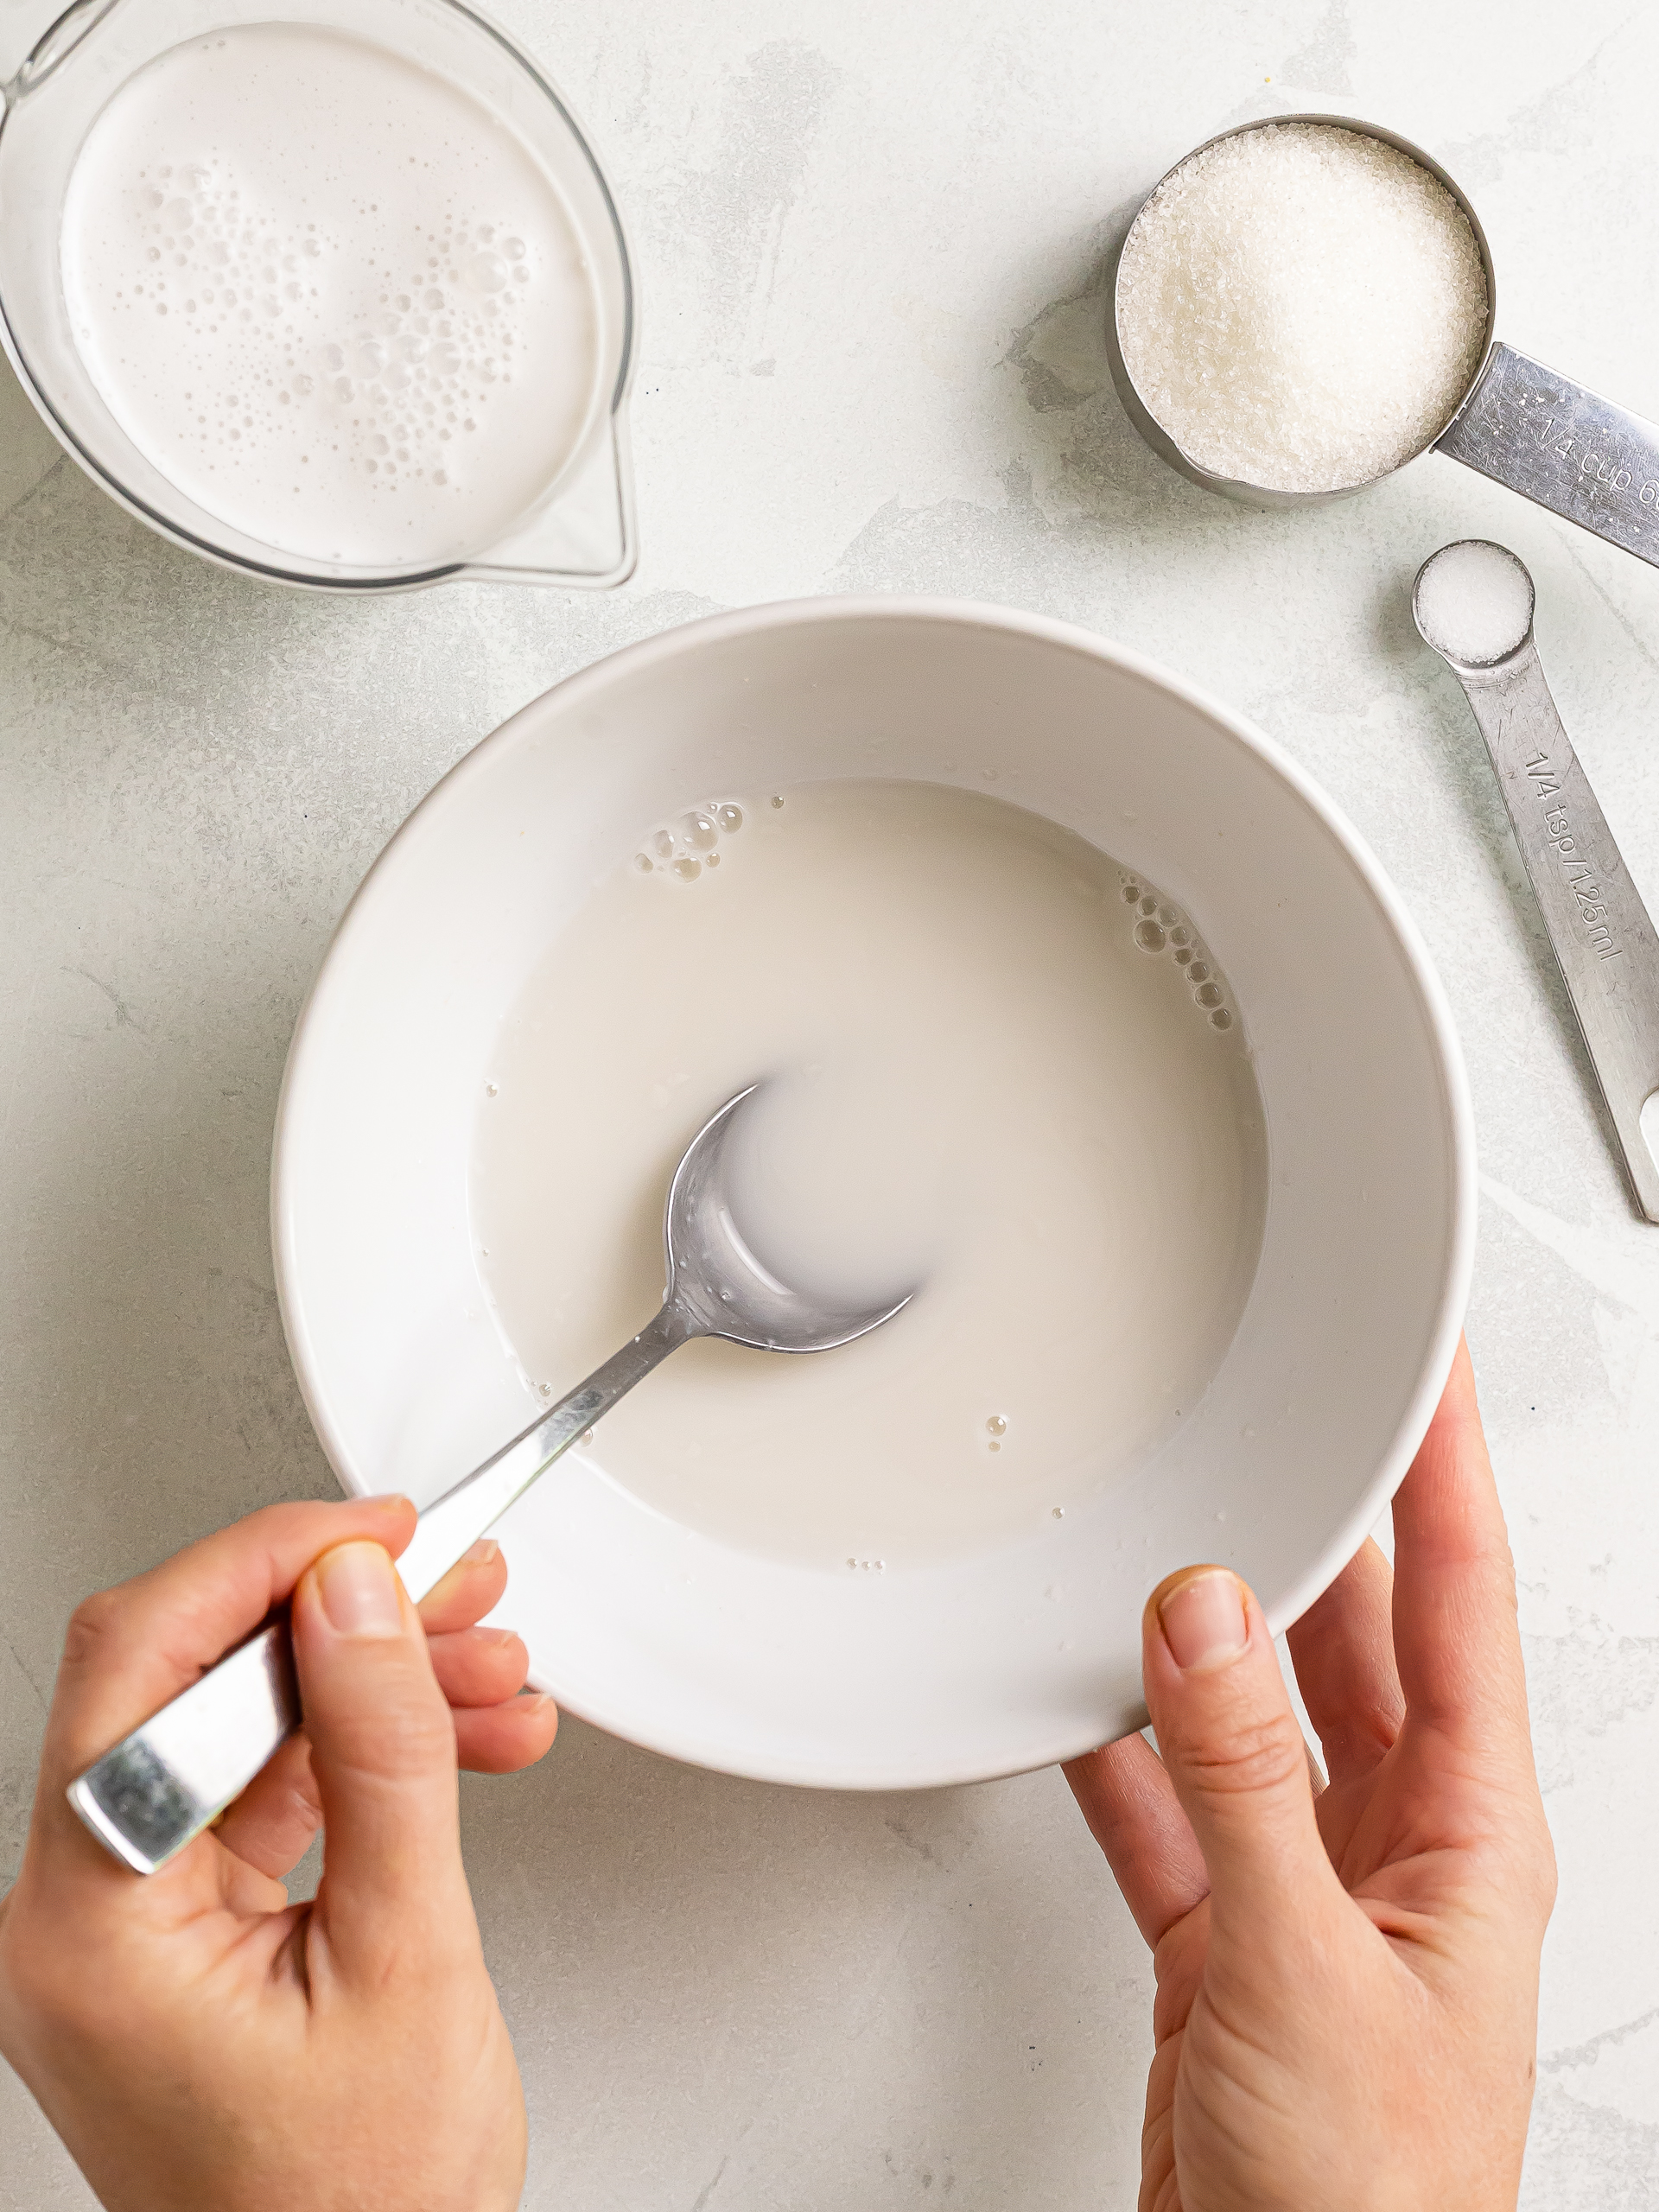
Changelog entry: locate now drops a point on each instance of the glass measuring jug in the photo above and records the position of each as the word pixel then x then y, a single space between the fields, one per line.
pixel 1517 422
pixel 579 529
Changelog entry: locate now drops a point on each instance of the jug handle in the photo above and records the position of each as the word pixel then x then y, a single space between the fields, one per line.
pixel 55 45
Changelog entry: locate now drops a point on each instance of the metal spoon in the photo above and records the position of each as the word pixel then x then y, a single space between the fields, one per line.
pixel 173 1777
pixel 1597 924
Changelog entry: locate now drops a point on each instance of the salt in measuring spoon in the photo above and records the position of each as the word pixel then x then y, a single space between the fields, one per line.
pixel 172 1776
pixel 1522 424
pixel 1473 602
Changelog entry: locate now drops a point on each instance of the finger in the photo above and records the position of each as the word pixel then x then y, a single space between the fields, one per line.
pixel 129 1650
pixel 382 1752
pixel 272 1823
pixel 479 1666
pixel 473 1585
pixel 1233 1748
pixel 1130 1803
pixel 1343 1651
pixel 502 1738
pixel 1455 1630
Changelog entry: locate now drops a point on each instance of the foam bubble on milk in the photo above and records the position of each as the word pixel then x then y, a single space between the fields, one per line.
pixel 330 296
pixel 1160 927
pixel 1301 307
pixel 685 847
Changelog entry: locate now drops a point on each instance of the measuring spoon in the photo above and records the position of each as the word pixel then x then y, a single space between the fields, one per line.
pixel 1545 437
pixel 1473 602
pixel 174 1775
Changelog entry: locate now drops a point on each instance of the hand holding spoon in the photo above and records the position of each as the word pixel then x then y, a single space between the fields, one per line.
pixel 1473 603
pixel 173 1777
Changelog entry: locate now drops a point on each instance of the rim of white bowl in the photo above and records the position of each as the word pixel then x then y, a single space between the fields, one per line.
pixel 1288 1604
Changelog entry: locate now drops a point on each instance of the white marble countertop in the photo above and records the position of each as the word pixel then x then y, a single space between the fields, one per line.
pixel 871 241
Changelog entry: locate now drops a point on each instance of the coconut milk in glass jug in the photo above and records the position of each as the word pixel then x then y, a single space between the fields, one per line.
pixel 332 292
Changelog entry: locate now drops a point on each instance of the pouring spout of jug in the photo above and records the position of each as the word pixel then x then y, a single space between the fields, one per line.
pixel 584 535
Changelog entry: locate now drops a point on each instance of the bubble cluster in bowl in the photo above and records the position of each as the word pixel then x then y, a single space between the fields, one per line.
pixel 685 847
pixel 1160 928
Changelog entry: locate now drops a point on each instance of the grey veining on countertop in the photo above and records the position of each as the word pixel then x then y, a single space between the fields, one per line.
pixel 871 240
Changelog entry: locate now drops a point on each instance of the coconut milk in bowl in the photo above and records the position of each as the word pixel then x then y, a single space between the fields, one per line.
pixel 1190 1286
pixel 339 297
pixel 989 1074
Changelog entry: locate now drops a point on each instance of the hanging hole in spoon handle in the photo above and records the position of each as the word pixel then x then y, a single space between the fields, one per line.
pixel 1567 449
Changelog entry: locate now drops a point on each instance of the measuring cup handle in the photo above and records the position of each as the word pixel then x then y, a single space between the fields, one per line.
pixel 1569 449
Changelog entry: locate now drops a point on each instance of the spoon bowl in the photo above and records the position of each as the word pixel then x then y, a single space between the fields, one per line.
pixel 716 1281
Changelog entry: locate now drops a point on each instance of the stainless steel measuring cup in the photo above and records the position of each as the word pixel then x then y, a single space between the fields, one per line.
pixel 1517 422
pixel 582 532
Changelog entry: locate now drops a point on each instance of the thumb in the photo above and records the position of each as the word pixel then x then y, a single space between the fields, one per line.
pixel 1232 1747
pixel 382 1752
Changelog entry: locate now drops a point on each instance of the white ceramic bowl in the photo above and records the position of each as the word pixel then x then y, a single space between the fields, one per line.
pixel 978 1668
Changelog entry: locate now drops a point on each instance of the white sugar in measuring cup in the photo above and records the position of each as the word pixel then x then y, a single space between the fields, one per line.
pixel 583 531
pixel 1520 424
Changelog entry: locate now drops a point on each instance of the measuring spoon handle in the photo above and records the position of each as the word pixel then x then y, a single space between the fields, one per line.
pixel 173 1777
pixel 1566 447
pixel 1600 930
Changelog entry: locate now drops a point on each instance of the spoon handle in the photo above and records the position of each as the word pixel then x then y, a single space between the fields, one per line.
pixel 176 1773
pixel 452 1523
pixel 1598 927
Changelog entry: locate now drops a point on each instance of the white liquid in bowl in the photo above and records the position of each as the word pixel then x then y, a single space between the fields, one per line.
pixel 989 1066
pixel 330 297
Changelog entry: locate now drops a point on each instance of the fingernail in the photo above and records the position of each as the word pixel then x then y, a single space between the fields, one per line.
pixel 1202 1620
pixel 532 1701
pixel 359 1588
pixel 481 1553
